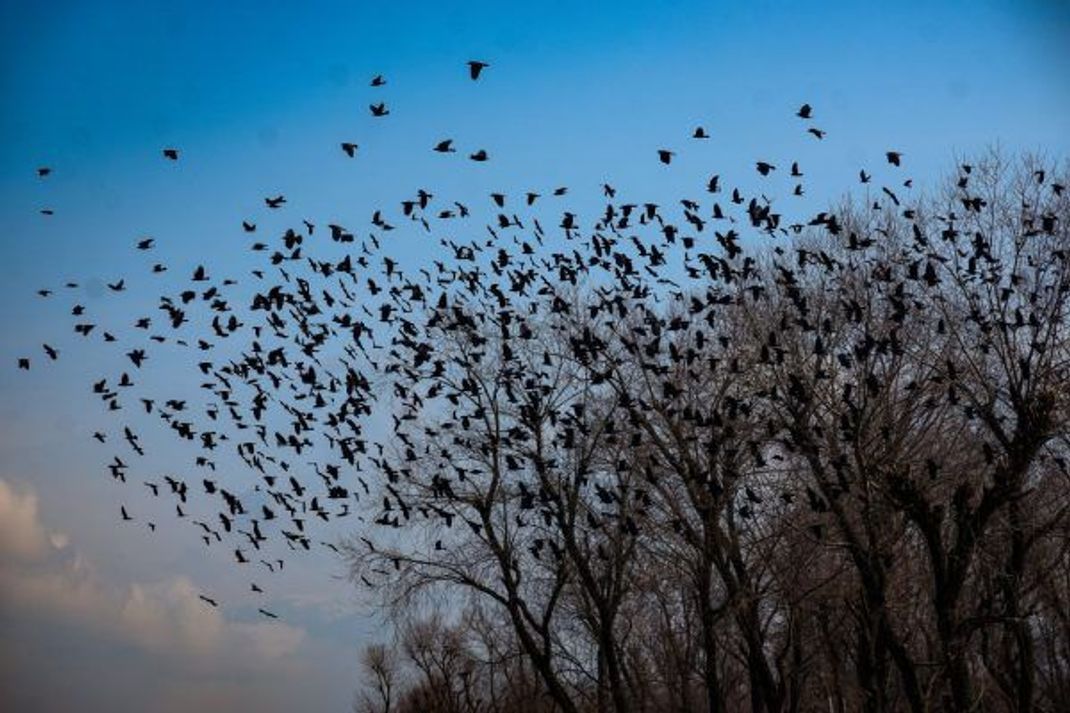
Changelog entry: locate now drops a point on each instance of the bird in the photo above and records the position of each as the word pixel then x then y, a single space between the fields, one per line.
pixel 378 109
pixel 268 614
pixel 171 154
pixel 700 133
pixel 52 352
pixel 208 600
pixel 665 156
pixel 44 171
pixel 475 68
pixel 350 149
pixel 145 244
pixel 124 513
pixel 378 81
pixel 818 133
pixel 764 168
pixel 24 363
pixel 804 112
pixel 445 146
pixel 275 202
pixel 894 157
pixel 479 155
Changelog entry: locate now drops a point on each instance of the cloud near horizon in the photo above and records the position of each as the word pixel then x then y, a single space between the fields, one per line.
pixel 47 585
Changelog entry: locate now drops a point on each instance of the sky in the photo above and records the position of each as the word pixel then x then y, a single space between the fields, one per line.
pixel 257 96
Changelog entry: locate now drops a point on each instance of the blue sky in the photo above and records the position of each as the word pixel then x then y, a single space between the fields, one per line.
pixel 257 96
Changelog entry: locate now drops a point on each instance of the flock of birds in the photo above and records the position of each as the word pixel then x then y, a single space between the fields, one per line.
pixel 318 336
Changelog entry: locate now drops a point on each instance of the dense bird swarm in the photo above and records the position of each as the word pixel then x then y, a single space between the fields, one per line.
pixel 698 456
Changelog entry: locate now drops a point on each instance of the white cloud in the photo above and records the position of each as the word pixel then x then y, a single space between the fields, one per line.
pixel 21 536
pixel 43 576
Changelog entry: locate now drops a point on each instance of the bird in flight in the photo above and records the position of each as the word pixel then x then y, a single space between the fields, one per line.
pixel 805 112
pixel 480 155
pixel 43 171
pixel 894 157
pixel 208 600
pixel 171 154
pixel 665 156
pixel 350 149
pixel 378 109
pixel 378 81
pixel 445 146
pixel 475 67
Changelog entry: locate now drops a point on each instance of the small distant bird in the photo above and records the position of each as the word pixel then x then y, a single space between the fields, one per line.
pixel 208 600
pixel 480 155
pixel 274 202
pixel 117 286
pixel 256 588
pixel 171 154
pixel 52 352
pixel 805 111
pixel 268 614
pixel 378 109
pixel 248 227
pixel 475 67
pixel 764 168
pixel 894 157
pixel 125 514
pixel 445 146
pixel 44 171
pixel 700 133
pixel 665 156
pixel 350 149
pixel 145 244
pixel 47 211
pixel 816 132
pixel 378 81
pixel 24 363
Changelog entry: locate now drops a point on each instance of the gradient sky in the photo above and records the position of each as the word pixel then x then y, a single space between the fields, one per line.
pixel 257 97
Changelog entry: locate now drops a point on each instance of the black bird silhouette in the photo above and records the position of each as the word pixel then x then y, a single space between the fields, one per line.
pixel 171 154
pixel 480 155
pixel 24 363
pixel 44 171
pixel 445 146
pixel 145 244
pixel 275 202
pixel 700 133
pixel 378 109
pixel 805 112
pixel 378 81
pixel 894 157
pixel 764 168
pixel 475 68
pixel 665 156
pixel 350 149
pixel 208 600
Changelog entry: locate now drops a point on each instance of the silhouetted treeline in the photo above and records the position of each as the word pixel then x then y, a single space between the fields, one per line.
pixel 819 467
